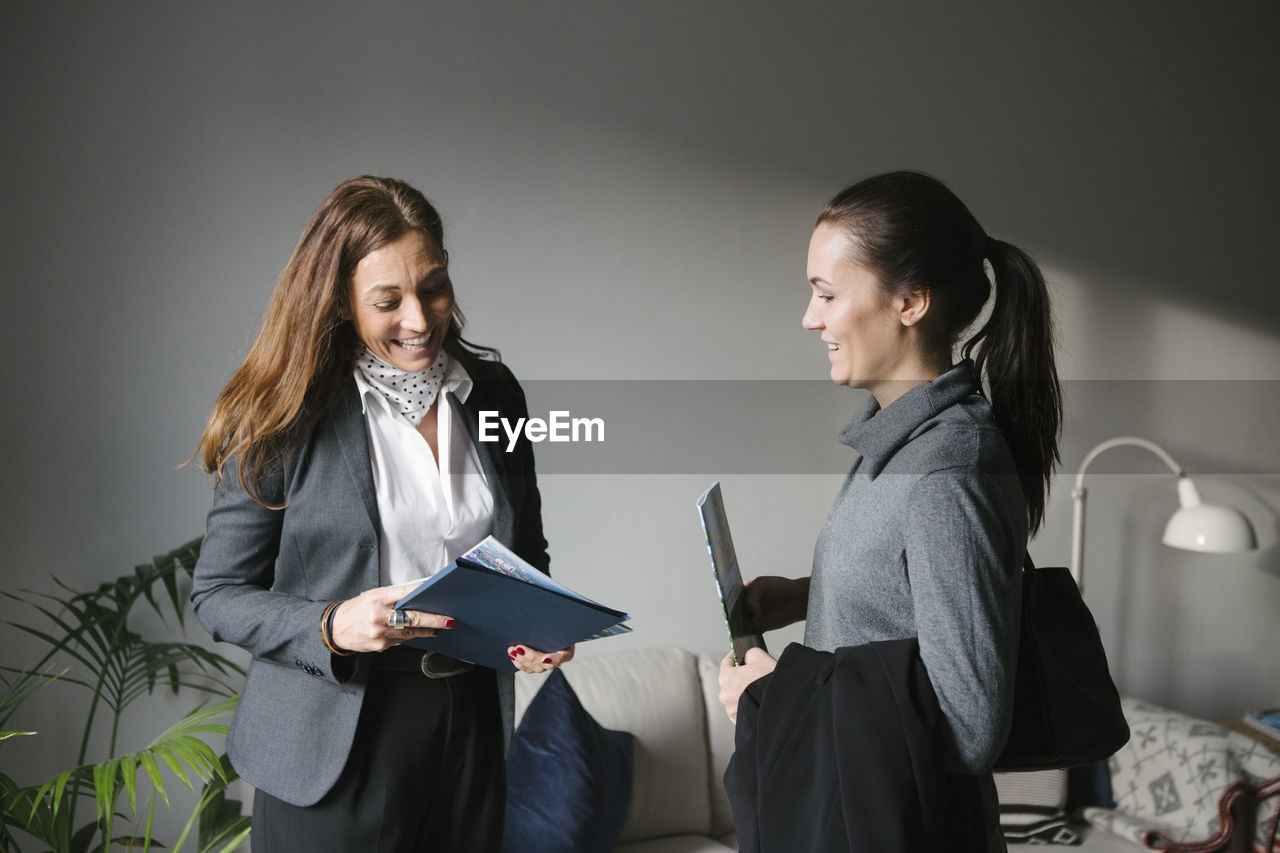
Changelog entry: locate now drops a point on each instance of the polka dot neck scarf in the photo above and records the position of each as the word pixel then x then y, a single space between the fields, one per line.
pixel 410 394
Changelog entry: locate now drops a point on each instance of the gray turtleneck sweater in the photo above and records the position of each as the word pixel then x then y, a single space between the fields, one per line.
pixel 926 539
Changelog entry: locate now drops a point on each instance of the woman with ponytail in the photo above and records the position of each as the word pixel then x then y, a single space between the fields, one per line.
pixel 955 447
pixel 346 469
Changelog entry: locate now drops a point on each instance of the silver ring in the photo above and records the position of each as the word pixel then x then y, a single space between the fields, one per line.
pixel 399 619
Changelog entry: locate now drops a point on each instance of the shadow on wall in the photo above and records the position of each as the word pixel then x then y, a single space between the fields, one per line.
pixel 1191 631
pixel 1187 630
pixel 1112 326
pixel 1269 560
pixel 1266 518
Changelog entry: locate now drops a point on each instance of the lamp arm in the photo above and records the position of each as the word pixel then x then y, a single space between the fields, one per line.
pixel 1079 494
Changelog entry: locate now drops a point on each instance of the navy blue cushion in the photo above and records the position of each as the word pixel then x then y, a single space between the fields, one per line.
pixel 1090 785
pixel 568 778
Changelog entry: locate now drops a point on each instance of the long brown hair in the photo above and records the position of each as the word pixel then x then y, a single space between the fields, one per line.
pixel 915 234
pixel 307 346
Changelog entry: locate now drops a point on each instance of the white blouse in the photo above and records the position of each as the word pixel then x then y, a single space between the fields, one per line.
pixel 429 514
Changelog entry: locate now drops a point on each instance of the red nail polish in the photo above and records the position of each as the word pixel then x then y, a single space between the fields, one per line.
pixel 449 623
pixel 546 660
pixel 511 655
pixel 519 650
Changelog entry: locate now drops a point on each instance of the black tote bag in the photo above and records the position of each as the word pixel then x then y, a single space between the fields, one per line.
pixel 1066 709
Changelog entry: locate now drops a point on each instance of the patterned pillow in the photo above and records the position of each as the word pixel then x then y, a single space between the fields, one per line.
pixel 1177 779
pixel 1032 807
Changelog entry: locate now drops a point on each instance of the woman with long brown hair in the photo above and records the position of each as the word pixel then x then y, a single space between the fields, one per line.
pixel 346 469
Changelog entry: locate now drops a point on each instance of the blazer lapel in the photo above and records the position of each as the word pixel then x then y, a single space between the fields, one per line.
pixel 353 438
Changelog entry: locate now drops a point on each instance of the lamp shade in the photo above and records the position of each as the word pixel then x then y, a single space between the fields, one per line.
pixel 1208 528
pixel 1196 526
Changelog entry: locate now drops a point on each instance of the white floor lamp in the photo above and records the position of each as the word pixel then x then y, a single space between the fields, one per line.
pixel 1196 526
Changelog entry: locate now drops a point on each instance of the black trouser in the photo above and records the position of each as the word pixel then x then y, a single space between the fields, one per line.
pixel 426 775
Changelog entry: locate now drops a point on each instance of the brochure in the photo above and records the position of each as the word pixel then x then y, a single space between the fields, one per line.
pixel 499 601
pixel 743 633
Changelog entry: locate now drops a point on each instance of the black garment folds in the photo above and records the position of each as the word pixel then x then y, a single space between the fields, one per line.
pixel 842 751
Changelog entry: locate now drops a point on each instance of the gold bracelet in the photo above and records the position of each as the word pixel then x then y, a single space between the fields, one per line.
pixel 326 630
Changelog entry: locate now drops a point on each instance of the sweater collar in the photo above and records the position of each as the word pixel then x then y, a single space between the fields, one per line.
pixel 877 434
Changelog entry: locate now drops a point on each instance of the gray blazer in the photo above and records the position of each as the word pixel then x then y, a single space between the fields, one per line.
pixel 265 577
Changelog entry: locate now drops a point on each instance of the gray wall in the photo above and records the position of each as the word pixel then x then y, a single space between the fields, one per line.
pixel 628 192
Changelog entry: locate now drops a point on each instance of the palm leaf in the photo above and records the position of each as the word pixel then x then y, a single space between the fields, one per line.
pixel 129 776
pixel 20 689
pixel 179 749
pixel 55 788
pixel 104 787
pixel 90 630
pixel 152 769
pixel 165 569
pixel 30 810
pixel 15 810
pixel 5 735
pixel 184 558
pixel 219 819
pixel 94 634
pixel 83 836
pixel 148 663
pixel 95 625
pixel 144 841
pixel 69 644
pixel 241 834
pixel 136 842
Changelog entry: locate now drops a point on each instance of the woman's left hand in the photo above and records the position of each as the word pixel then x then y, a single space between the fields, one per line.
pixel 530 660
pixel 734 679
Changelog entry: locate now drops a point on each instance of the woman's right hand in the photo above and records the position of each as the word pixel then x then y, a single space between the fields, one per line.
pixel 734 679
pixel 775 602
pixel 360 623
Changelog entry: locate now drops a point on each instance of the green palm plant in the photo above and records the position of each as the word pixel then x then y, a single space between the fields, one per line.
pixel 89 644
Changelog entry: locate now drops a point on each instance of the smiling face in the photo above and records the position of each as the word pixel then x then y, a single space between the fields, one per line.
pixel 871 336
pixel 402 301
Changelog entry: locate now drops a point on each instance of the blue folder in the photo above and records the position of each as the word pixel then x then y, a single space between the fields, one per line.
pixel 498 609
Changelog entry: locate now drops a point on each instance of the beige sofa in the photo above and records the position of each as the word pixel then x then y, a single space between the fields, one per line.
pixel 666 697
